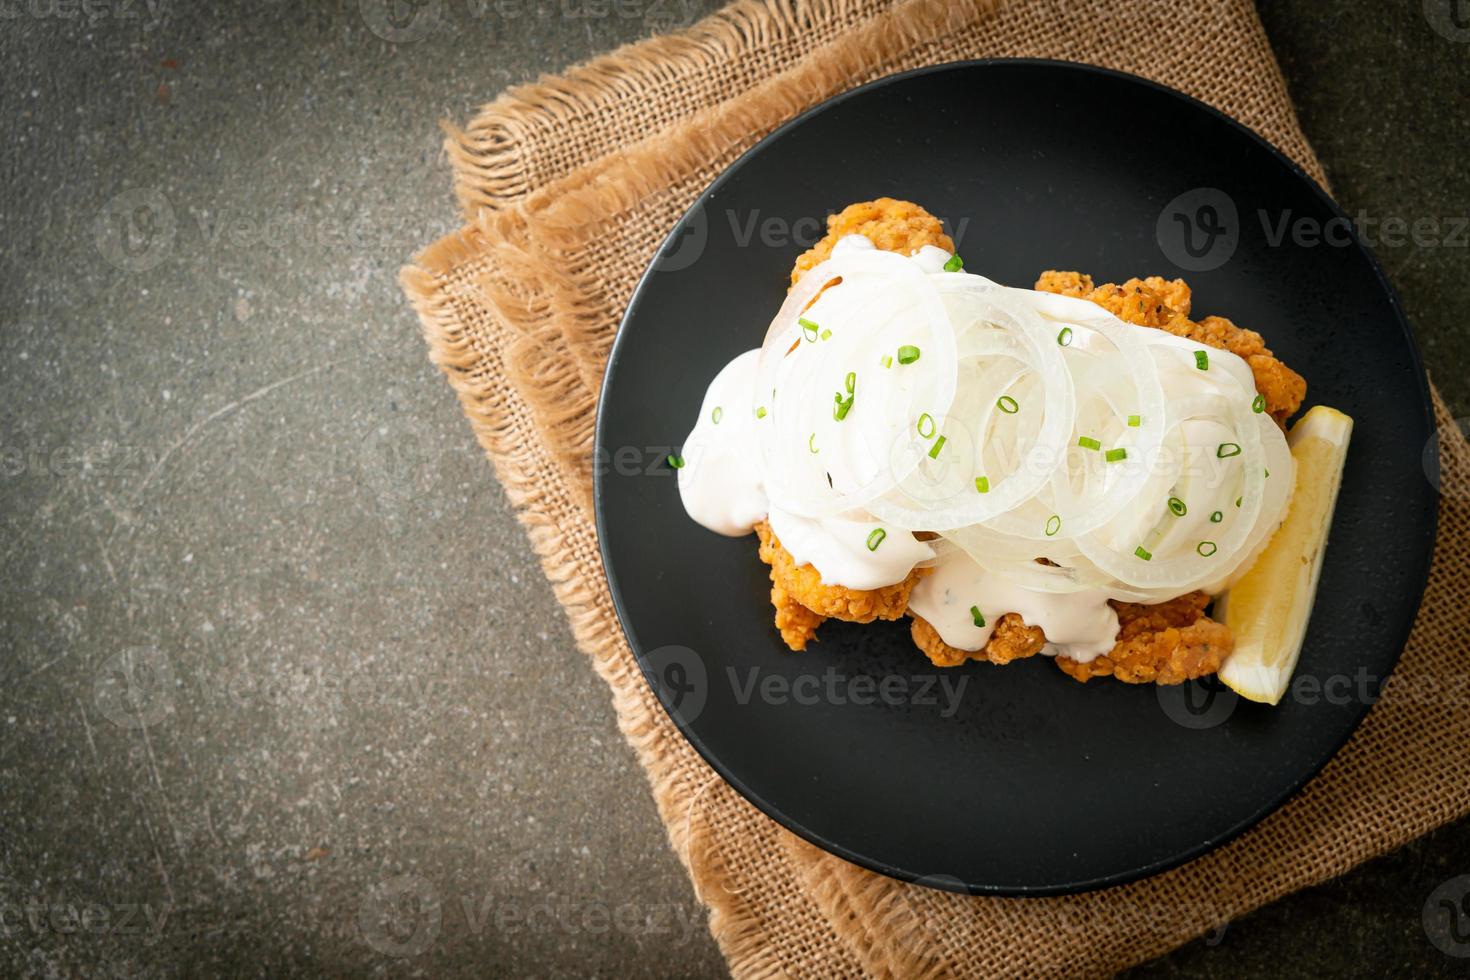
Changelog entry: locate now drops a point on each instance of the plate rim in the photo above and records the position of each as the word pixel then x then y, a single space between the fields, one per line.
pixel 1095 883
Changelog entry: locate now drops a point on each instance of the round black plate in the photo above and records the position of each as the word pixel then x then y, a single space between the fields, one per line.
pixel 1011 780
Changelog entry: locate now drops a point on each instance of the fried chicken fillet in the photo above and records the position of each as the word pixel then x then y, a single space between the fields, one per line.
pixel 1166 643
pixel 801 600
pixel 1165 305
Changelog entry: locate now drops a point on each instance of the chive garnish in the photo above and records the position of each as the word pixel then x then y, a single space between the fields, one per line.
pixel 876 538
pixel 938 445
pixel 1258 404
pixel 977 616
pixel 811 442
pixel 982 484
pixel 716 415
pixel 1134 421
pixel 923 419
pixel 676 461
pixel 908 354
pixel 1238 500
pixel 850 382
pixel 808 329
pixel 1202 360
pixel 843 406
pixel 1007 404
pixel 1087 442
pixel 1216 517
pixel 1053 525
pixel 887 361
pixel 955 263
pixel 1065 337
pixel 1206 548
pixel 1143 553
pixel 826 335
pixel 1177 508
pixel 1227 449
pixel 1113 455
pixel 760 413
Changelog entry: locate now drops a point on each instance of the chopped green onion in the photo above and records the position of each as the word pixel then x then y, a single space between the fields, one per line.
pixel 760 413
pixel 1258 404
pixel 1202 360
pixel 716 415
pixel 887 361
pixel 1007 404
pixel 1134 421
pixel 826 335
pixel 1227 449
pixel 1143 553
pixel 876 538
pixel 1065 337
pixel 938 445
pixel 1113 455
pixel 1177 508
pixel 677 462
pixel 977 616
pixel 908 354
pixel 1087 442
pixel 1216 517
pixel 929 419
pixel 1053 525
pixel 843 406
pixel 850 381
pixel 1206 548
pixel 808 329
pixel 1238 500
pixel 982 484
pixel 1268 474
pixel 811 442
pixel 955 263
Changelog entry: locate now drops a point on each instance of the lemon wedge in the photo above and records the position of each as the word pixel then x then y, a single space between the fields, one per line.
pixel 1267 609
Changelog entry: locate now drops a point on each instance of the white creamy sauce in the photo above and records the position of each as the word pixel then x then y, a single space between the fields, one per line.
pixel 839 550
pixel 723 487
pixel 1079 625
pixel 720 483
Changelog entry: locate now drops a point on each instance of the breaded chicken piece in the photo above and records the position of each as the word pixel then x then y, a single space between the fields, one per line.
pixel 893 226
pixel 1011 640
pixel 1167 643
pixel 801 585
pixel 1165 305
pixel 801 601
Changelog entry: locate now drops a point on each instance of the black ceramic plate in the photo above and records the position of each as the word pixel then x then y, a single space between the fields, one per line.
pixel 1011 780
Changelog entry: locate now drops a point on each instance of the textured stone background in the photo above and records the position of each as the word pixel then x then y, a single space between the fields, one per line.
pixel 227 471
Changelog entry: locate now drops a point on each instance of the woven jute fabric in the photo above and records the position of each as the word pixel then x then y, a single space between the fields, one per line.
pixel 568 187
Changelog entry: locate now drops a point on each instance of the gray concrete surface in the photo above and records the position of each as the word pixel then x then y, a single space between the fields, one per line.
pixel 254 718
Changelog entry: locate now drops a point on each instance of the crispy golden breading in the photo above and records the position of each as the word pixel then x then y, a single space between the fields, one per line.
pixel 1011 640
pixel 1165 305
pixel 796 623
pixel 893 226
pixel 802 585
pixel 1167 643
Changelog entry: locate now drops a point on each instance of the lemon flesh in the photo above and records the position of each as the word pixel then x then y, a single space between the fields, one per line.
pixel 1268 608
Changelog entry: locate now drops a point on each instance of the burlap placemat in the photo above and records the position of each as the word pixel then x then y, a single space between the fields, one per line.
pixel 569 186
